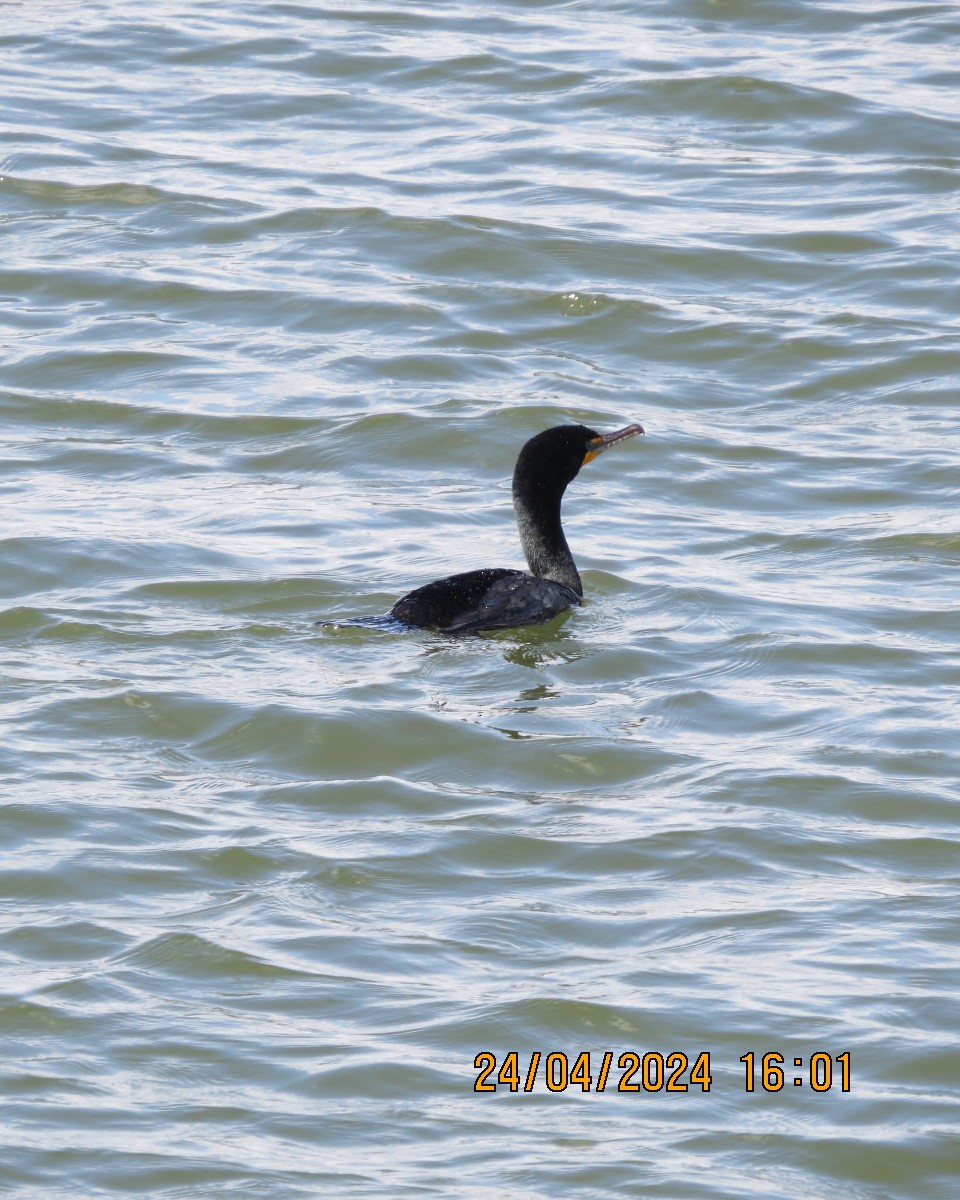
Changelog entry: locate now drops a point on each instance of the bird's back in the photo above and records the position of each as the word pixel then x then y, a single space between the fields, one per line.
pixel 495 598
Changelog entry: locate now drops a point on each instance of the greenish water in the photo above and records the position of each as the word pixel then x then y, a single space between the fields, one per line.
pixel 283 289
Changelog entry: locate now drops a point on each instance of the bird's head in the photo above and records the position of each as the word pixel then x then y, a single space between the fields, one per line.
pixel 556 455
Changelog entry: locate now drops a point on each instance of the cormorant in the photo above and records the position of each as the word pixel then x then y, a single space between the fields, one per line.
pixel 501 598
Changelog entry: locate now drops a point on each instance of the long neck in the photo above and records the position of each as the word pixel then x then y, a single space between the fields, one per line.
pixel 537 505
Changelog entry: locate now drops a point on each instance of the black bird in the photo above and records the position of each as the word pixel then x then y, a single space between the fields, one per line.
pixel 501 598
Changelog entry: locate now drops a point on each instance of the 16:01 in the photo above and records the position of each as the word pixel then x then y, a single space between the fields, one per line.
pixel 819 1071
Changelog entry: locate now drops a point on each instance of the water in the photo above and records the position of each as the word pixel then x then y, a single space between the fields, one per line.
pixel 284 288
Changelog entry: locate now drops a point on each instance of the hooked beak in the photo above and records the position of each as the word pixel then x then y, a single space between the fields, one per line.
pixel 599 444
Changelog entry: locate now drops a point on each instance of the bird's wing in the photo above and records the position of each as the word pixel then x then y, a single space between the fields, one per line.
pixel 437 604
pixel 513 600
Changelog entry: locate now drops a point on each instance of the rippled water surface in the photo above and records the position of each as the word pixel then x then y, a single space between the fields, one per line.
pixel 283 288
